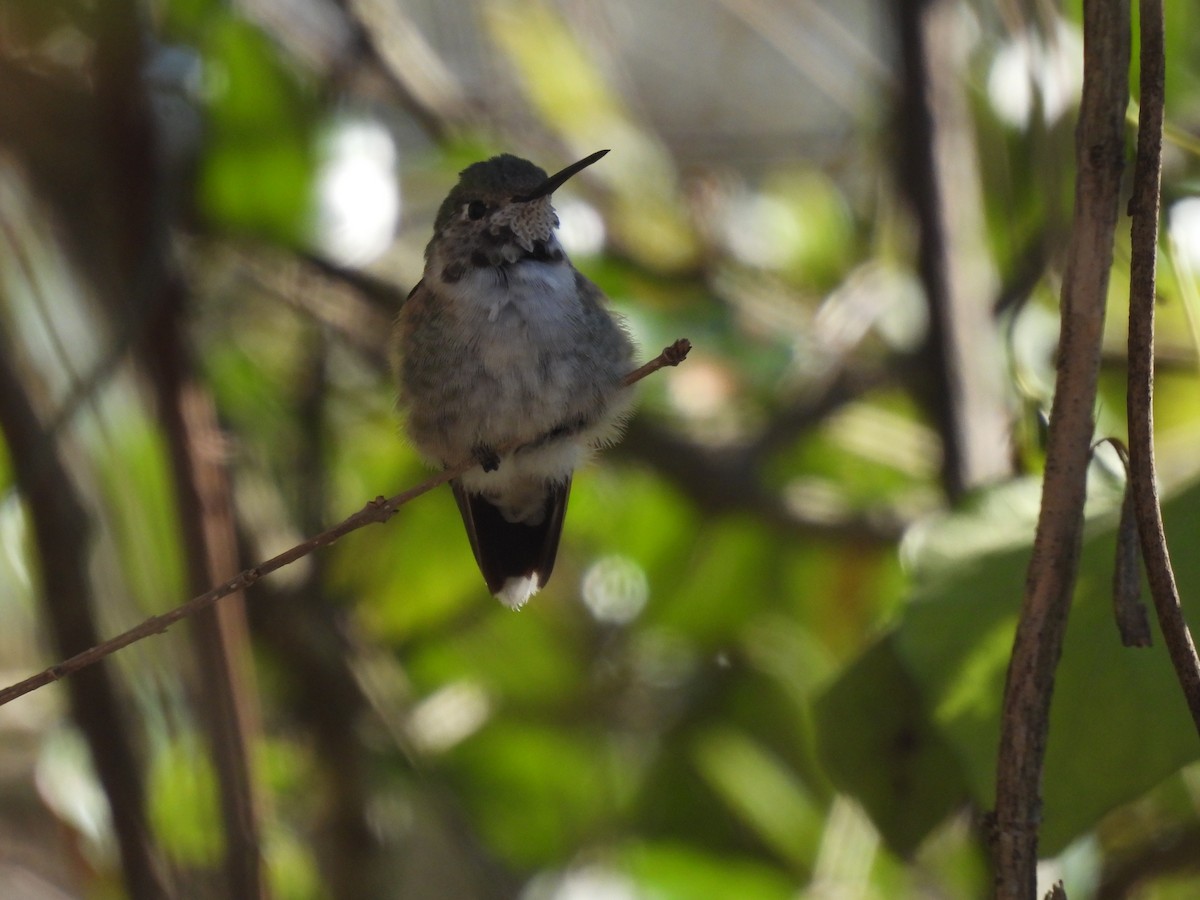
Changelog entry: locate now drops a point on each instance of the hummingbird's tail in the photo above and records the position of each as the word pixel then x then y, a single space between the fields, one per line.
pixel 516 559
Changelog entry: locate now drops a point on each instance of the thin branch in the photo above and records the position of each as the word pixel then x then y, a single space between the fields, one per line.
pixel 1144 208
pixel 719 480
pixel 375 511
pixel 670 356
pixel 1099 150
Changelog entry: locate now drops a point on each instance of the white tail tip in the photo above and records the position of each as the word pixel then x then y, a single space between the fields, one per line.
pixel 517 591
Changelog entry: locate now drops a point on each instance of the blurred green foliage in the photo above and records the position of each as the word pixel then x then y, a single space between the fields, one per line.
pixel 181 778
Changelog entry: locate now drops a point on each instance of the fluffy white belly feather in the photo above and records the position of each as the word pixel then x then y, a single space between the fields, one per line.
pixel 523 338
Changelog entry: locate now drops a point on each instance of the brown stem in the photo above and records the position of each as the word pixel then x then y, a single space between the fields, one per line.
pixel 1099 147
pixel 61 531
pixel 219 635
pixel 958 378
pixel 672 355
pixel 375 511
pixel 1144 208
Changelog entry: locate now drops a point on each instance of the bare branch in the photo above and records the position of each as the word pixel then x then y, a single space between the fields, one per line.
pixel 671 356
pixel 959 366
pixel 1128 609
pixel 378 510
pixel 219 635
pixel 1144 208
pixel 1054 564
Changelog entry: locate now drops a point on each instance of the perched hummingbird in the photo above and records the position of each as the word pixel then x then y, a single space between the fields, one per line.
pixel 504 344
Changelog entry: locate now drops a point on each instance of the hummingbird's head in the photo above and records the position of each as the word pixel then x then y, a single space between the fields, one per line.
pixel 500 209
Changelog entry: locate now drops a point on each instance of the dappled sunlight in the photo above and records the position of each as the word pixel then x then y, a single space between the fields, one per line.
pixel 581 227
pixel 1183 230
pixel 615 590
pixel 447 717
pixel 359 200
pixel 1035 73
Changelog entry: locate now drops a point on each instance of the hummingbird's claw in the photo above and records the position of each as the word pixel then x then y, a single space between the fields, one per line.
pixel 487 457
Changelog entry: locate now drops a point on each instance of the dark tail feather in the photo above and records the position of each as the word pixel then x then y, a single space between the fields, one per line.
pixel 506 549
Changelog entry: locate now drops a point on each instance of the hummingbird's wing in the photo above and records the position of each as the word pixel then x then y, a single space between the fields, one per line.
pixel 516 559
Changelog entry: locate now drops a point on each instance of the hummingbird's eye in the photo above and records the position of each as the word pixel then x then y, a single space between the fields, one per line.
pixel 477 209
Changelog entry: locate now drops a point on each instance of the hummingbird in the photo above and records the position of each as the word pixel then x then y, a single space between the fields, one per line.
pixel 508 356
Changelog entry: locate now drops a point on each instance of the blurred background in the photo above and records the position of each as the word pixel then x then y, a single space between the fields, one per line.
pixel 771 659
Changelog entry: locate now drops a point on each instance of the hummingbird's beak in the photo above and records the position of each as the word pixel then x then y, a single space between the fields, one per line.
pixel 555 181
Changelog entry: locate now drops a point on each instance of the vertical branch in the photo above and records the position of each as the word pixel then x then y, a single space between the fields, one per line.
pixel 60 527
pixel 1099 147
pixel 937 171
pixel 137 289
pixel 219 636
pixel 142 290
pixel 1144 208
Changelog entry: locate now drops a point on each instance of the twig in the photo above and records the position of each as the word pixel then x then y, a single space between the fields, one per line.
pixel 375 511
pixel 671 356
pixel 1128 609
pixel 1144 208
pixel 1025 719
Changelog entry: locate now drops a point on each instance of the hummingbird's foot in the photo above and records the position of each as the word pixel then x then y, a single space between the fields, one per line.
pixel 487 457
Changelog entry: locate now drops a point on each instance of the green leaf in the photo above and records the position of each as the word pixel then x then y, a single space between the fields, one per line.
pixel 675 871
pixel 1118 724
pixel 762 791
pixel 878 744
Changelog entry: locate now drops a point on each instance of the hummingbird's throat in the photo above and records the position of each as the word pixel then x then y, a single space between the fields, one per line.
pixel 529 222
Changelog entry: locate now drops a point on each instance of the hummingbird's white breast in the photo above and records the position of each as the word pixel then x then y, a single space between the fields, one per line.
pixel 524 322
